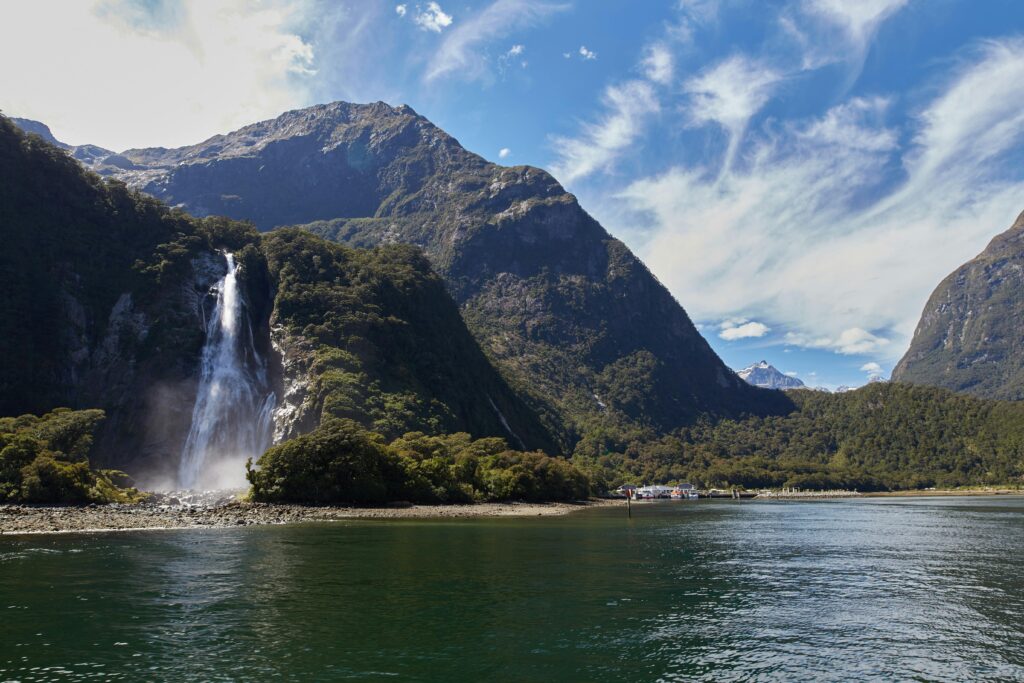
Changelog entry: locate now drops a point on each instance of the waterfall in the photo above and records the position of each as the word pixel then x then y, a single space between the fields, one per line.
pixel 233 415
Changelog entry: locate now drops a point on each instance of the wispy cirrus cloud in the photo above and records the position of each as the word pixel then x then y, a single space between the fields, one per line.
pixel 658 63
pixel 627 107
pixel 858 20
pixel 462 54
pixel 729 94
pixel 807 233
pixel 845 32
pixel 600 142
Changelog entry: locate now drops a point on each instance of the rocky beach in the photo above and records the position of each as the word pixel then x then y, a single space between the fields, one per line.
pixel 230 512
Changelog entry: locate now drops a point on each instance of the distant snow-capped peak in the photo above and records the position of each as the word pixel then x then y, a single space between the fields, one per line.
pixel 764 375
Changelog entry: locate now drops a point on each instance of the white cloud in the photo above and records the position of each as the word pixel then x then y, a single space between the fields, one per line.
pixel 626 106
pixel 855 341
pixel 873 369
pixel 658 64
pixel 461 51
pixel 181 72
pixel 731 330
pixel 852 341
pixel 504 153
pixel 401 10
pixel 791 374
pixel 567 55
pixel 513 55
pixel 432 18
pixel 587 54
pixel 729 94
pixel 804 235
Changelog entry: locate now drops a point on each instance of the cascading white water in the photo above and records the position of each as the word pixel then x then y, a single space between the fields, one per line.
pixel 233 415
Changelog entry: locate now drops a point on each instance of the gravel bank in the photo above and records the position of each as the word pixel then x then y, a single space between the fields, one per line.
pixel 32 519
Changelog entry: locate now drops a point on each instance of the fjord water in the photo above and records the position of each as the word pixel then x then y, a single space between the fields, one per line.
pixel 886 589
pixel 233 414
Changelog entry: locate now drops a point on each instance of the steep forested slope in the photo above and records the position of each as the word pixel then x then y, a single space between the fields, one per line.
pixel 380 341
pixel 882 436
pixel 106 294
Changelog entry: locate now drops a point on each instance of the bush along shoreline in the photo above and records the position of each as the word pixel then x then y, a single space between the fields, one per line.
pixel 44 460
pixel 342 463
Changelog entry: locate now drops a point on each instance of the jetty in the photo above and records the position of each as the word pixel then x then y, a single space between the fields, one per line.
pixel 797 494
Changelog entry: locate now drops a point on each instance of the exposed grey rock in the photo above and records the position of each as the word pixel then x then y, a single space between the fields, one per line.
pixel 969 337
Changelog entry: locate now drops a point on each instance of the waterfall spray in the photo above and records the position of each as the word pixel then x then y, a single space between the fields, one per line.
pixel 233 415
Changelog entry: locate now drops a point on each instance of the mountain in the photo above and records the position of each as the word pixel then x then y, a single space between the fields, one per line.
pixel 90 155
pixel 107 293
pixel 570 317
pixel 969 337
pixel 767 377
pixel 373 336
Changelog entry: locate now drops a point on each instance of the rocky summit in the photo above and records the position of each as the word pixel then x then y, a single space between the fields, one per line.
pixel 969 337
pixel 568 314
pixel 767 376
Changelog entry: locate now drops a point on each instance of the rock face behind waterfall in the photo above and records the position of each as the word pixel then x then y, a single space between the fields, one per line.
pixel 101 307
pixel 564 310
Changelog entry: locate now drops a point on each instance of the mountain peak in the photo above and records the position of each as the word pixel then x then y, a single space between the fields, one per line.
pixel 766 376
pixel 41 129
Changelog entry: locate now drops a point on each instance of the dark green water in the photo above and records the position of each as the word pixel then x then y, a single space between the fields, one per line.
pixel 884 589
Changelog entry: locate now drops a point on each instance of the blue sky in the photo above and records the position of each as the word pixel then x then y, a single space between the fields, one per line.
pixel 800 174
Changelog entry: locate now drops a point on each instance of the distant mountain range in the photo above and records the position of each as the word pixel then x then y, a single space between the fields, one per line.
pixel 767 376
pixel 970 336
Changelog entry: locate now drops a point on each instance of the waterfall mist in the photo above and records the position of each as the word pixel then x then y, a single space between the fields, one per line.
pixel 233 415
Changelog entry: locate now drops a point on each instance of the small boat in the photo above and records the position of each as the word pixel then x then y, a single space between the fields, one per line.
pixel 652 492
pixel 684 492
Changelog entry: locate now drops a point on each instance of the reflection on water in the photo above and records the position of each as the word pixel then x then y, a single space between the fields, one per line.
pixel 872 589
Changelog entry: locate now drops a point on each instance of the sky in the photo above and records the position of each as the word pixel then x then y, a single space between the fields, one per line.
pixel 800 174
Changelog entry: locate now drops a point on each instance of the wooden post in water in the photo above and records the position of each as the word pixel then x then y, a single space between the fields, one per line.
pixel 629 508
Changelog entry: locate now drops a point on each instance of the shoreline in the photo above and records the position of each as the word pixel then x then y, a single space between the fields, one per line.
pixel 924 493
pixel 20 520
